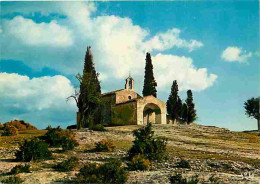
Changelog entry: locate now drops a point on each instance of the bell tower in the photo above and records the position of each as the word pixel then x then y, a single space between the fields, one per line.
pixel 129 84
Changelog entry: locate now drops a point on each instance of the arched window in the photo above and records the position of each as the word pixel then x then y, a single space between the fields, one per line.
pixel 130 84
pixel 129 97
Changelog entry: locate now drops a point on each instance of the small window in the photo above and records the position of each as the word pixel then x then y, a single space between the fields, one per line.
pixel 130 84
pixel 129 97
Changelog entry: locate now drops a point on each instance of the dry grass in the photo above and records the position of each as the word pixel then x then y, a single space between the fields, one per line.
pixel 10 141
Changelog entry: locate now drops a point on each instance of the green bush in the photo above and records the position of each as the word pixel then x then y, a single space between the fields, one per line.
pixel 10 130
pixel 138 162
pixel 177 179
pixel 105 146
pixel 34 149
pixel 1 126
pixel 13 180
pixel 56 137
pixel 97 127
pixel 68 142
pixel 111 172
pixel 183 164
pixel 20 169
pixel 67 165
pixel 145 144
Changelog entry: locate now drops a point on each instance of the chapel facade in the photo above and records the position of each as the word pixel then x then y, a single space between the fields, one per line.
pixel 126 107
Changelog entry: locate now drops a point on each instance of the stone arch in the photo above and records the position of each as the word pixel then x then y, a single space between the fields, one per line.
pixel 151 109
pixel 151 113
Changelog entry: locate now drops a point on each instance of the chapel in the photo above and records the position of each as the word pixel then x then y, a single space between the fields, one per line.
pixel 126 107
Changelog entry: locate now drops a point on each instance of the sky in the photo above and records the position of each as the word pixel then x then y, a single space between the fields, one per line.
pixel 209 47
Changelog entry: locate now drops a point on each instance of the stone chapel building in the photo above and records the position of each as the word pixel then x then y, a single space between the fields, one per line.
pixel 126 107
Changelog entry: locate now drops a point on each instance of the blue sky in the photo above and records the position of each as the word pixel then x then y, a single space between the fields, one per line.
pixel 209 47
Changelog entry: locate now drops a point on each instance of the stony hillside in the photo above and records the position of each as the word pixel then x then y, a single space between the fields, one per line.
pixel 216 155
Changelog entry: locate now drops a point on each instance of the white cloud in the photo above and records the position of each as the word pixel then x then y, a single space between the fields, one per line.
pixel 42 34
pixel 168 68
pixel 169 39
pixel 35 94
pixel 235 54
pixel 118 45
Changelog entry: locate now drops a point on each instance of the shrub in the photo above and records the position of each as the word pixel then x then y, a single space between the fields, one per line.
pixel 10 131
pixel 138 162
pixel 111 172
pixel 1 126
pixel 145 144
pixel 98 127
pixel 20 169
pixel 57 137
pixel 105 146
pixel 67 165
pixel 89 174
pixel 21 125
pixel 33 150
pixel 13 180
pixel 177 179
pixel 72 127
pixel 183 164
pixel 53 136
pixel 68 141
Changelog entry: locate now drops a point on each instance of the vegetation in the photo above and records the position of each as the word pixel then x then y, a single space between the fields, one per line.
pixel 149 81
pixel 1 126
pixel 252 109
pixel 57 137
pixel 71 127
pixel 67 165
pixel 20 125
pixel 111 172
pixel 105 146
pixel 174 103
pixel 10 130
pixel 13 180
pixel 139 162
pixel 183 164
pixel 32 150
pixel 146 145
pixel 178 179
pixel 98 127
pixel 191 112
pixel 20 169
pixel 88 99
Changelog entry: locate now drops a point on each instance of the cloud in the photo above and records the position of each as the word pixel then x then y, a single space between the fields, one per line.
pixel 35 94
pixel 42 34
pixel 235 54
pixel 119 46
pixel 169 39
pixel 168 68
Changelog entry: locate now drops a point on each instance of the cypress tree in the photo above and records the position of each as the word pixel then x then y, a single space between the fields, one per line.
pixel 184 112
pixel 178 107
pixel 174 103
pixel 89 99
pixel 191 112
pixel 89 67
pixel 149 81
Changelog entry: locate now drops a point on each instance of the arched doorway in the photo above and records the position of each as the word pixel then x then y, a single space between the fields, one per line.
pixel 151 113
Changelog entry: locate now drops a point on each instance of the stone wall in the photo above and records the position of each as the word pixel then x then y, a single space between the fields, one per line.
pixel 124 95
pixel 124 114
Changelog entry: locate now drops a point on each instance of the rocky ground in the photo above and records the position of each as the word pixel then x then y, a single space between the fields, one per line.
pixel 216 155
